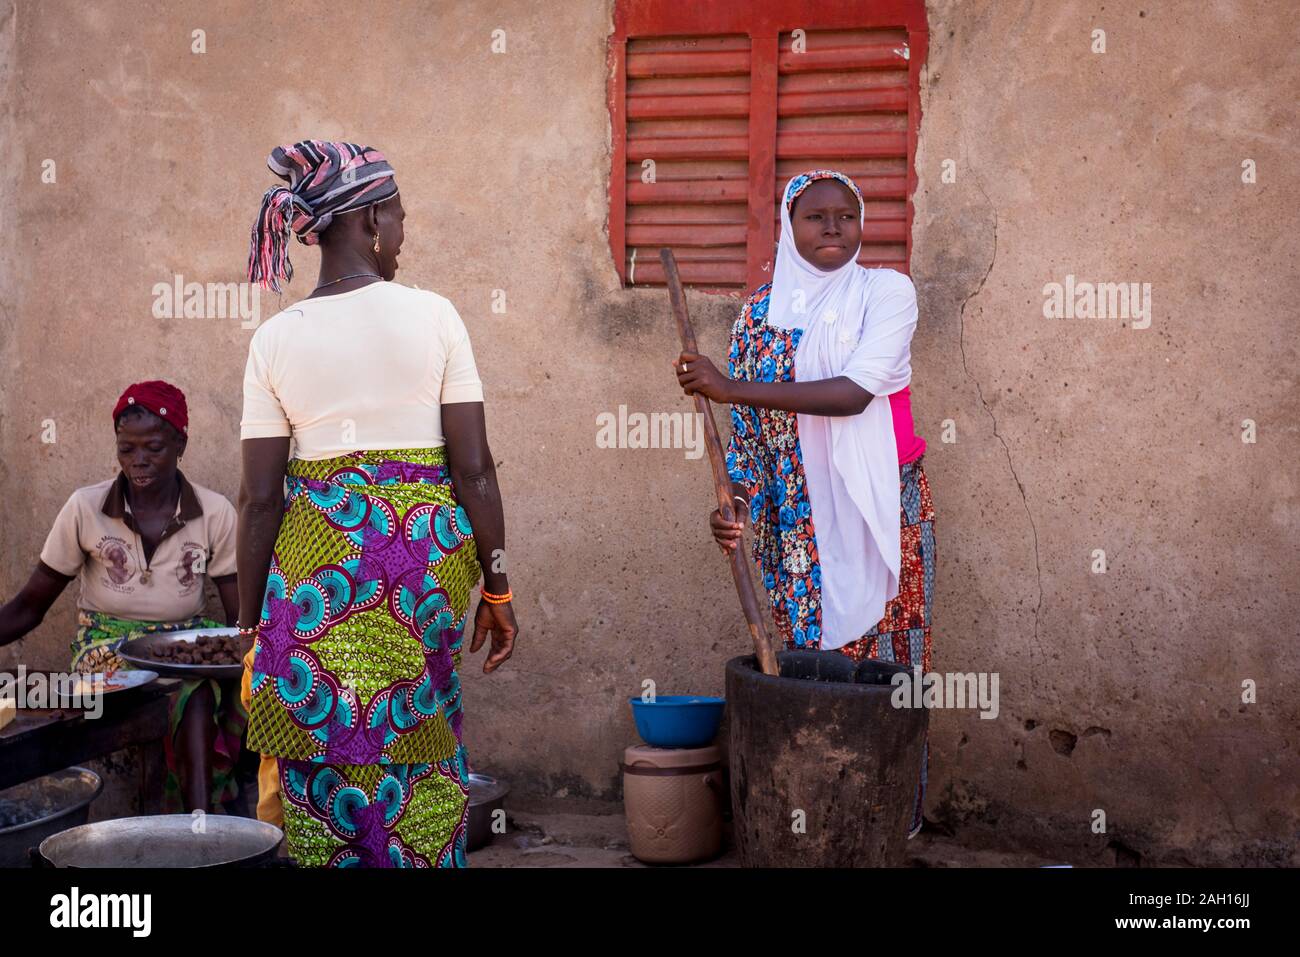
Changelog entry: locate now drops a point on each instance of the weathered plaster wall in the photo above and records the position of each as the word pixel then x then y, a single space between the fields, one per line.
pixel 1071 435
pixel 1084 434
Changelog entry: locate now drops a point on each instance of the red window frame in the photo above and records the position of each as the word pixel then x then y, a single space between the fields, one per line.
pixel 763 21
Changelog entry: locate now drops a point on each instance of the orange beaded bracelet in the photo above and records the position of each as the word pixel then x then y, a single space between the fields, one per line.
pixel 496 599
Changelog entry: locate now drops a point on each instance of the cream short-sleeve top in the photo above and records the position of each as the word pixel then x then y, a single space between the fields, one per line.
pixel 365 369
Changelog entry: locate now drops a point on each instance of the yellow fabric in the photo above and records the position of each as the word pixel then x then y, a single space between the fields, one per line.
pixel 269 806
pixel 402 353
pixel 108 557
pixel 368 650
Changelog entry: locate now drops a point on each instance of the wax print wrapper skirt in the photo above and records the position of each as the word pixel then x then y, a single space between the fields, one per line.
pixel 92 651
pixel 903 634
pixel 354 686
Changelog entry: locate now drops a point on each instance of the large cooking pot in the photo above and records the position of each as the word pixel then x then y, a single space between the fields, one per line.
pixel 165 840
pixel 487 795
pixel 33 810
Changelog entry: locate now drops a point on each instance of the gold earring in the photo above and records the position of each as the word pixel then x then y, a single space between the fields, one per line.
pixel 376 242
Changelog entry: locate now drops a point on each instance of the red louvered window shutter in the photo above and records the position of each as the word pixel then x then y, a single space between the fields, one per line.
pixel 715 107
pixel 687 163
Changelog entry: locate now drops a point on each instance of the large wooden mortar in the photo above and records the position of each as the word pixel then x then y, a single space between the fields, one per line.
pixel 837 751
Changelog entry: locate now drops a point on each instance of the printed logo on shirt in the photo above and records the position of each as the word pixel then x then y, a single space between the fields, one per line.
pixel 119 566
pixel 189 570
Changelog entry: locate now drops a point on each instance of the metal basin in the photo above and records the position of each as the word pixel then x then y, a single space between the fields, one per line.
pixel 165 840
pixel 139 652
pixel 486 795
pixel 33 810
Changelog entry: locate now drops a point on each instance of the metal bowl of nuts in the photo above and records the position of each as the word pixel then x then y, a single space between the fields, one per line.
pixel 198 653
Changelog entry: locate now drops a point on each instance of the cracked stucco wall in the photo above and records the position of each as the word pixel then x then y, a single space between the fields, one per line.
pixel 1119 691
pixel 9 292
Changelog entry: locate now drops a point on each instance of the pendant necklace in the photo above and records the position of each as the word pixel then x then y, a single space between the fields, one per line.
pixel 146 575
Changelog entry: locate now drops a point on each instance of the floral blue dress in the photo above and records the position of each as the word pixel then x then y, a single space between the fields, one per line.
pixel 763 456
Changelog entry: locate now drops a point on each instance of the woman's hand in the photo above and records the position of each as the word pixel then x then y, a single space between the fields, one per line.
pixel 500 621
pixel 701 376
pixel 727 534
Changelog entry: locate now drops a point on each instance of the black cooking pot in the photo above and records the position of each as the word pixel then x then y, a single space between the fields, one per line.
pixel 32 811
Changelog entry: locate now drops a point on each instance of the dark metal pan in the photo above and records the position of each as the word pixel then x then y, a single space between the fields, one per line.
pixel 139 652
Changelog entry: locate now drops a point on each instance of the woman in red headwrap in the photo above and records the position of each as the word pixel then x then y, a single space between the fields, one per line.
pixel 143 544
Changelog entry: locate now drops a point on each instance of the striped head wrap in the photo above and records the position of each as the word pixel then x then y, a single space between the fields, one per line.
pixel 325 178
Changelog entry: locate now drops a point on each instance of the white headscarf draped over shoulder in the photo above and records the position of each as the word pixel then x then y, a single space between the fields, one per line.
pixel 858 323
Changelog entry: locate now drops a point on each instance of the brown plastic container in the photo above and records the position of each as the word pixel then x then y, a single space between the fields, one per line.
pixel 673 799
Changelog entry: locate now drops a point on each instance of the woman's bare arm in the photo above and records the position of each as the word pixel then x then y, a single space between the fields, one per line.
pixel 836 396
pixel 228 592
pixel 28 608
pixel 261 509
pixel 474 476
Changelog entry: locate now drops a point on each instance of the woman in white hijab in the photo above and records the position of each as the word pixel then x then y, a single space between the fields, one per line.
pixel 822 438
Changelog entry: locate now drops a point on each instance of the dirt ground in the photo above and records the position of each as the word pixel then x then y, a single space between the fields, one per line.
pixel 588 834
pixel 577 832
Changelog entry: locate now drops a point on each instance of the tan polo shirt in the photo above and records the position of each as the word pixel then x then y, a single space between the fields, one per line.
pixel 95 537
pixel 366 369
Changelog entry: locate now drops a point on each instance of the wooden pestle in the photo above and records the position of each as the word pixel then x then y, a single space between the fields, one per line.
pixel 722 480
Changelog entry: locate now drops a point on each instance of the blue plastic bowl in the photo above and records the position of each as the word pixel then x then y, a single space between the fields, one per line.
pixel 677 720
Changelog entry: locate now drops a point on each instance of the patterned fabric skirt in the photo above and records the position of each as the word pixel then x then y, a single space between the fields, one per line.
pixel 92 651
pixel 375 815
pixel 903 634
pixel 355 684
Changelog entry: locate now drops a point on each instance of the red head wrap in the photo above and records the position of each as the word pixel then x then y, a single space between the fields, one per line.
pixel 161 398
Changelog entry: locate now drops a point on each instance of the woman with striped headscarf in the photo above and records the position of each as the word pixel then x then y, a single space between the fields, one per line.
pixel 358 581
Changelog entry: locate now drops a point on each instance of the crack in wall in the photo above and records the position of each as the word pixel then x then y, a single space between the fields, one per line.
pixel 1033 527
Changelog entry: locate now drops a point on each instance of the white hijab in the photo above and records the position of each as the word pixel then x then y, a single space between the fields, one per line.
pixel 857 323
